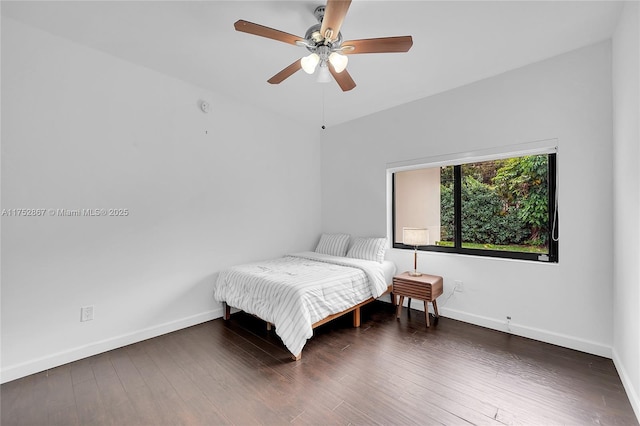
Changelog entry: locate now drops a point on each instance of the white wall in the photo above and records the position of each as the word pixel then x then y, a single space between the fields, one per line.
pixel 81 129
pixel 626 200
pixel 567 98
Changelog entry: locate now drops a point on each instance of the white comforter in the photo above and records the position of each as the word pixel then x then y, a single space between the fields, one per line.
pixel 295 291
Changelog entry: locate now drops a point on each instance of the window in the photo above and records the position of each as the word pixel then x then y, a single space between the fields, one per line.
pixel 500 208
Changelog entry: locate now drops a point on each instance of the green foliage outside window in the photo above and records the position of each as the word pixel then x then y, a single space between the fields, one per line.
pixel 522 182
pixel 504 202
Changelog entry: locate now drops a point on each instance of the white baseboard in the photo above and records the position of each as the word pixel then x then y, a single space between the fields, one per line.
pixel 37 365
pixel 632 393
pixel 546 336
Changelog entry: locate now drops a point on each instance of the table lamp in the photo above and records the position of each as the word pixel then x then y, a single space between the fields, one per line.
pixel 415 237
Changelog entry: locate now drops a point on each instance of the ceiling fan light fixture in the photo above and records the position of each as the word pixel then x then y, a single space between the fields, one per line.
pixel 324 76
pixel 338 61
pixel 309 63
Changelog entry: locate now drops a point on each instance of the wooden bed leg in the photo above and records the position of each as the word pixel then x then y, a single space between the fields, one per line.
pixel 268 326
pixel 356 317
pixel 227 311
pixel 296 357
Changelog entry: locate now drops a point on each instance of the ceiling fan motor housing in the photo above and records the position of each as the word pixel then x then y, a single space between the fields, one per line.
pixel 314 38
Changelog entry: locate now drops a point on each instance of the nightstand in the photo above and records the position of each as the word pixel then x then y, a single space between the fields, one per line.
pixel 423 287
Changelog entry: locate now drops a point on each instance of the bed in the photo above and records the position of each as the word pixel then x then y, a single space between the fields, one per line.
pixel 301 291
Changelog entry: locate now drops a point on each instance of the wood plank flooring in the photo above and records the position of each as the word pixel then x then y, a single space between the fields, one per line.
pixel 386 372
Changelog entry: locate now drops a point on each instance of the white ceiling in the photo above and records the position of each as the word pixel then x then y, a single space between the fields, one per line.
pixel 454 43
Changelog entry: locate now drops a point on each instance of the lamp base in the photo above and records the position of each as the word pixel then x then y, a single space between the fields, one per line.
pixel 415 273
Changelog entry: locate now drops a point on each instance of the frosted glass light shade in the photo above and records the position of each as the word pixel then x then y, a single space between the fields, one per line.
pixel 415 236
pixel 324 76
pixel 338 61
pixel 309 63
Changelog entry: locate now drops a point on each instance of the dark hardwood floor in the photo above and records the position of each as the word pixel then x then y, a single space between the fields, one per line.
pixel 386 372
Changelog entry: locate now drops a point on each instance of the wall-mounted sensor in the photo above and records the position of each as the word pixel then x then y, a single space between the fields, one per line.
pixel 204 106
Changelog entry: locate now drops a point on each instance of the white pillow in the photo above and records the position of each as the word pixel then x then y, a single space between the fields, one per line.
pixel 333 244
pixel 368 249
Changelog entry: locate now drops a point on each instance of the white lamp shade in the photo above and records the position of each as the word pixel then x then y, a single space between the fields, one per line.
pixel 415 236
pixel 338 61
pixel 309 63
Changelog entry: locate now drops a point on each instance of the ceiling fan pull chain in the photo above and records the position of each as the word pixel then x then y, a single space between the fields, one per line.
pixel 323 126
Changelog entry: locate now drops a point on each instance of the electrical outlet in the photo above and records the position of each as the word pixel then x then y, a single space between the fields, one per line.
pixel 508 323
pixel 86 313
pixel 459 286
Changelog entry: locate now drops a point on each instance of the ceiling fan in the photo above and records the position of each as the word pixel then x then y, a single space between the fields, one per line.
pixel 324 41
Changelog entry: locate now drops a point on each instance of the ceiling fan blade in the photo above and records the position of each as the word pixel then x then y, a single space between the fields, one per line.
pixel 334 14
pixel 378 45
pixel 343 79
pixel 285 73
pixel 262 31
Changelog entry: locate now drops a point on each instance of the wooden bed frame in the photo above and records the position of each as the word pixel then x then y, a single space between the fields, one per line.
pixel 355 309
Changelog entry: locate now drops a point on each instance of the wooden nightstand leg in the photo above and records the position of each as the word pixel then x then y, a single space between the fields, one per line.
pixel 399 306
pixel 426 312
pixel 435 308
